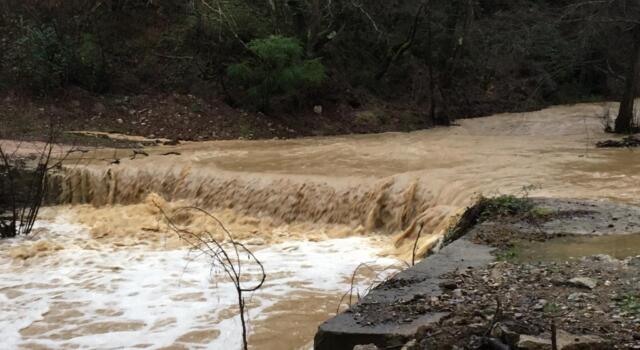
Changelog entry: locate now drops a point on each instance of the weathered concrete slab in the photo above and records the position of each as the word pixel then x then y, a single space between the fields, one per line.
pixel 583 217
pixel 380 317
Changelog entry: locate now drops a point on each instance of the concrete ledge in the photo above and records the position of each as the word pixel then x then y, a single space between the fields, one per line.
pixel 379 317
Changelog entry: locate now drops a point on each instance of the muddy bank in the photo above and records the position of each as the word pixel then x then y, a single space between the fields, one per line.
pixel 476 290
pixel 188 117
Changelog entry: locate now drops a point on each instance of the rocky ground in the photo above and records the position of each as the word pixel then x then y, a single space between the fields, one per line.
pixel 594 303
pixel 591 302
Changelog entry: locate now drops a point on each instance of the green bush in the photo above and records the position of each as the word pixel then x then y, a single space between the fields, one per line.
pixel 42 60
pixel 39 60
pixel 277 68
pixel 505 206
pixel 90 71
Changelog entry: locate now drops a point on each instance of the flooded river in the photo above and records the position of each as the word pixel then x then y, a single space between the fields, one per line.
pixel 105 273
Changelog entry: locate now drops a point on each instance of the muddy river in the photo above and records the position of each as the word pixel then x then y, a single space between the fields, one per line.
pixel 104 272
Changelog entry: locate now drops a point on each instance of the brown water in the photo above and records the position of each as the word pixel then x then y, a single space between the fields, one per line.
pixel 319 189
pixel 388 183
pixel 564 248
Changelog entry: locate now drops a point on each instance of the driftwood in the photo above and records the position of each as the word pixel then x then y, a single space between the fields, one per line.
pixel 627 142
pixel 138 153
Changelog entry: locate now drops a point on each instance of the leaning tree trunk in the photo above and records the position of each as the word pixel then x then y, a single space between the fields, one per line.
pixel 625 115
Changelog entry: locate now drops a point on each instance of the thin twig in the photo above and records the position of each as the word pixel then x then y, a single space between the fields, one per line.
pixel 415 245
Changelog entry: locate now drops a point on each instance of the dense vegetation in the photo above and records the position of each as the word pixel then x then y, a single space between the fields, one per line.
pixel 444 58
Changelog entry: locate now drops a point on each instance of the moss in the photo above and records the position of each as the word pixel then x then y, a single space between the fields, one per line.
pixel 552 309
pixel 631 303
pixel 505 206
pixel 541 213
pixel 510 254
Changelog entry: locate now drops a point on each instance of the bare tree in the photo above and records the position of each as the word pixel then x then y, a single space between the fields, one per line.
pixel 624 121
pixel 225 254
pixel 616 17
pixel 23 183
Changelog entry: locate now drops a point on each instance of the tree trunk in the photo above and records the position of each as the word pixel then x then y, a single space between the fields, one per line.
pixel 624 121
pixel 314 27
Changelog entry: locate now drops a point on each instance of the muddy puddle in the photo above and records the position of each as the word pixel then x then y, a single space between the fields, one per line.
pixel 575 247
pixel 108 276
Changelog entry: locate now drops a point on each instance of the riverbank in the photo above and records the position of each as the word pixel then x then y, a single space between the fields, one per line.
pixel 461 299
pixel 176 116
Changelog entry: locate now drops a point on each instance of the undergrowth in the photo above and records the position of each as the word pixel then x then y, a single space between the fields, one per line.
pixel 505 206
pixel 518 207
pixel 631 303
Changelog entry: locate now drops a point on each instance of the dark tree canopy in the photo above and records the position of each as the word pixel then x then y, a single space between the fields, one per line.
pixel 446 58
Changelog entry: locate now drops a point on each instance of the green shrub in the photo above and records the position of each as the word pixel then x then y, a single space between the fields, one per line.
pixel 39 60
pixel 277 68
pixel 505 206
pixel 90 69
pixel 42 60
pixel 510 254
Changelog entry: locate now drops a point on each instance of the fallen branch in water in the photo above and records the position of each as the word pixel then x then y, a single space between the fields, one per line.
pixel 627 142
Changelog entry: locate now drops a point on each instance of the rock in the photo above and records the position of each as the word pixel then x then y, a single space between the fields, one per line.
pixel 497 273
pixel 528 342
pixel 503 332
pixel 540 304
pixel 98 108
pixel 634 262
pixel 365 347
pixel 583 282
pixel 410 345
pixel 566 341
pixel 317 109
pixel 578 296
pixel 604 258
pixel 120 121
pixel 449 285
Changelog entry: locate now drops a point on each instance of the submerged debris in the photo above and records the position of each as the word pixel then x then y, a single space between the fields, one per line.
pixel 629 141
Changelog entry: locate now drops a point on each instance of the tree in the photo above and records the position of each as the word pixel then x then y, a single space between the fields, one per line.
pixel 624 121
pixel 24 182
pixel 615 17
pixel 276 68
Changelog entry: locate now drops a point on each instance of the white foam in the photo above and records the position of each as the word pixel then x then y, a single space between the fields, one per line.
pixel 143 285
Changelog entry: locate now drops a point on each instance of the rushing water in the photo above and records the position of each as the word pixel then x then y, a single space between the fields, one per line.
pixel 111 276
pixel 105 297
